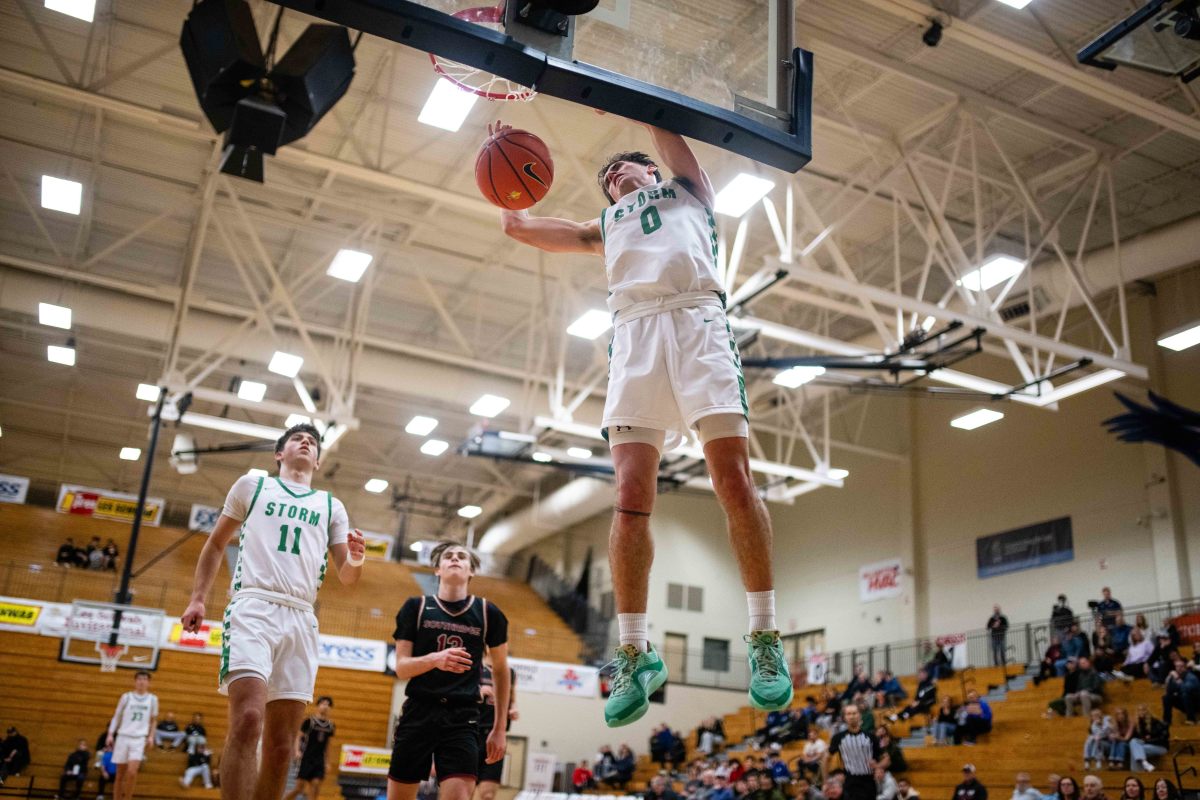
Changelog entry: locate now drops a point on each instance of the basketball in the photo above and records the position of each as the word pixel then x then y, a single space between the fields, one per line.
pixel 514 169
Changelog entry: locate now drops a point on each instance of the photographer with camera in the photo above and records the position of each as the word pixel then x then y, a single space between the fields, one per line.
pixel 1106 610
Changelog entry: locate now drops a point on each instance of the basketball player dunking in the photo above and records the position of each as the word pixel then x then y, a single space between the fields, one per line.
pixel 440 642
pixel 286 533
pixel 128 732
pixel 674 366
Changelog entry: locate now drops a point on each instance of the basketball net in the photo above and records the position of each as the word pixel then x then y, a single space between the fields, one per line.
pixel 473 79
pixel 110 655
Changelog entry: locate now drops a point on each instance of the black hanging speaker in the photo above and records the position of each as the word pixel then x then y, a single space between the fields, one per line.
pixel 223 56
pixel 312 76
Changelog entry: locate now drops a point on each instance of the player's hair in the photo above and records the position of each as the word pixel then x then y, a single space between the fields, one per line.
pixel 325 699
pixel 140 673
pixel 302 427
pixel 435 557
pixel 637 157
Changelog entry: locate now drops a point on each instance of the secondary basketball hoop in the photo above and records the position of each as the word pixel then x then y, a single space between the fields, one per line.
pixel 110 655
pixel 474 80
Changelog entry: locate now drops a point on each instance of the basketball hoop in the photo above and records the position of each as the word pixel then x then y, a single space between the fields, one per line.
pixel 110 655
pixel 473 79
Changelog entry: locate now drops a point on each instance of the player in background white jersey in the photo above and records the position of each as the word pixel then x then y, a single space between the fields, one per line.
pixel 286 533
pixel 673 366
pixel 128 732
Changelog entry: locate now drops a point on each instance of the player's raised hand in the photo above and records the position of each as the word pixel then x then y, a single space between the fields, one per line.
pixel 497 128
pixel 357 545
pixel 452 659
pixel 193 617
pixel 497 742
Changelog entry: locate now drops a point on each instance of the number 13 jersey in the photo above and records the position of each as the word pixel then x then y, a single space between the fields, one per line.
pixel 287 529
pixel 659 241
pixel 433 625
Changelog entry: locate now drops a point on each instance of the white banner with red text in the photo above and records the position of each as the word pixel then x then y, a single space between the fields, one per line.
pixel 879 581
pixel 104 504
pixel 548 677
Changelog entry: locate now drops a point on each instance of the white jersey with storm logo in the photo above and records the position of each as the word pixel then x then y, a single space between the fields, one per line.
pixel 659 242
pixel 133 715
pixel 287 529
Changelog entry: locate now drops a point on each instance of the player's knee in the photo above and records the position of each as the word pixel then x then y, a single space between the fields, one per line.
pixel 246 723
pixel 487 791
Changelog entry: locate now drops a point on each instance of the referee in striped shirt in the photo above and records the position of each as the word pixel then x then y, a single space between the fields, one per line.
pixel 859 752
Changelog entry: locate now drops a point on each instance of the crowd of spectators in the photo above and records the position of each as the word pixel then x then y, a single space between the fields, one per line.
pixel 95 556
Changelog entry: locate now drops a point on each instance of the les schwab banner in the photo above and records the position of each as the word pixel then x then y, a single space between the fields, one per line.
pixel 364 760
pixel 104 504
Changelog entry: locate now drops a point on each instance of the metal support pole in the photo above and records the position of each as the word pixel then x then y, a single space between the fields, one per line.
pixel 122 595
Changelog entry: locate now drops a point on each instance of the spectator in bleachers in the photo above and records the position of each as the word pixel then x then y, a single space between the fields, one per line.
pixel 74 771
pixel 582 778
pixel 195 734
pixel 606 764
pixel 975 718
pixel 167 734
pixel 937 663
pixel 736 770
pixel 802 789
pixel 95 554
pixel 1182 691
pixel 905 791
pixel 831 709
pixel 1151 738
pixel 775 726
pixel 885 784
pixel 14 755
pixel 741 791
pixel 721 789
pixel 1133 789
pixel 710 736
pixel 1139 622
pixel 660 744
pixel 859 684
pixel 81 557
pixel 778 768
pixel 767 788
pixel 997 626
pixel 1050 658
pixel 1068 789
pixel 1070 685
pixel 887 689
pixel 864 710
pixel 1107 608
pixel 1138 655
pixel 1165 790
pixel 923 701
pixel 1075 645
pixel 1093 787
pixel 1119 633
pixel 1052 786
pixel 1162 658
pixel 105 766
pixel 1096 745
pixel 660 789
pixel 1061 617
pixel 1122 734
pixel 1024 788
pixel 199 765
pixel 896 760
pixel 970 788
pixel 834 787
pixel 813 755
pixel 1104 657
pixel 946 721
pixel 1088 689
pixel 111 551
pixel 625 765
pixel 66 554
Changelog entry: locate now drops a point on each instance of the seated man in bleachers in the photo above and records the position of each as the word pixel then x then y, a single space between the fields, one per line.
pixel 975 719
pixel 897 763
pixel 721 789
pixel 1089 690
pixel 660 789
pixel 885 784
pixel 813 755
pixel 582 778
pixel 710 736
pixel 167 735
pixel 924 700
pixel 887 689
pixel 66 554
pixel 14 755
pixel 74 771
pixel 1182 691
pixel 905 791
pixel 199 765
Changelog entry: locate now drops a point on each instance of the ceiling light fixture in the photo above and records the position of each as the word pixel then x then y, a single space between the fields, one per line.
pixel 470 512
pixel 375 485
pixel 130 453
pixel 252 391
pixel 80 9
pixel 798 376
pixel 447 106
pixel 741 193
pixel 1182 338
pixel 148 392
pixel 434 447
pixel 421 426
pixel 285 364
pixel 1017 4
pixel 61 195
pixel 542 458
pixel 992 272
pixel 296 419
pixel 976 419
pixel 489 405
pixel 61 355
pixel 579 452
pixel 349 265
pixel 54 316
pixel 591 324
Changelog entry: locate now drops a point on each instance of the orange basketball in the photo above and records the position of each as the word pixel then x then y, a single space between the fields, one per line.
pixel 514 170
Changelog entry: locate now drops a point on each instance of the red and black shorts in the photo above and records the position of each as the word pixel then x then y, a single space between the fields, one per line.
pixel 438 735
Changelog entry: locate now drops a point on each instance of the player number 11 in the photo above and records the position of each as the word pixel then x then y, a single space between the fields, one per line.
pixel 283 534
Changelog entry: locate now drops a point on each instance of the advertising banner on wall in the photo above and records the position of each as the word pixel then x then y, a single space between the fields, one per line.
pixel 879 581
pixel 345 652
pixel 203 518
pixel 206 640
pixel 13 488
pixel 539 772
pixel 364 760
pixel 547 677
pixel 818 668
pixel 105 504
pixel 1024 548
pixel 379 545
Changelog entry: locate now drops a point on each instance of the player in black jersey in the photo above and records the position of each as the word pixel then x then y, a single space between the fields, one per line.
pixel 311 747
pixel 440 642
pixel 490 772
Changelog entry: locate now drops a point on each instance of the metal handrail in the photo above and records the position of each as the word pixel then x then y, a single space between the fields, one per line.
pixel 1190 750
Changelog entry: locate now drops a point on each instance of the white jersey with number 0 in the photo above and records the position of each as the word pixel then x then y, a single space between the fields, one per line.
pixel 659 241
pixel 133 715
pixel 286 533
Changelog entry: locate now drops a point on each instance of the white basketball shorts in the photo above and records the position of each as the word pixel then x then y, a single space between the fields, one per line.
pixel 128 748
pixel 669 369
pixel 275 642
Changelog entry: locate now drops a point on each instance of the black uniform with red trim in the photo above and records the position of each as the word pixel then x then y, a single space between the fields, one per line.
pixel 487 718
pixel 439 723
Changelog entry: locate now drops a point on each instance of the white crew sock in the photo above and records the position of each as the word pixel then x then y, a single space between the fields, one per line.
pixel 762 610
pixel 633 630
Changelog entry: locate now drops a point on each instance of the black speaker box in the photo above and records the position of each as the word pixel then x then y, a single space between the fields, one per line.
pixel 312 76
pixel 223 56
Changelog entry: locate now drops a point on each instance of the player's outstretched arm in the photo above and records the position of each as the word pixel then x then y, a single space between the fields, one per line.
pixel 452 659
pixel 497 740
pixel 206 570
pixel 348 557
pixel 677 156
pixel 552 234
